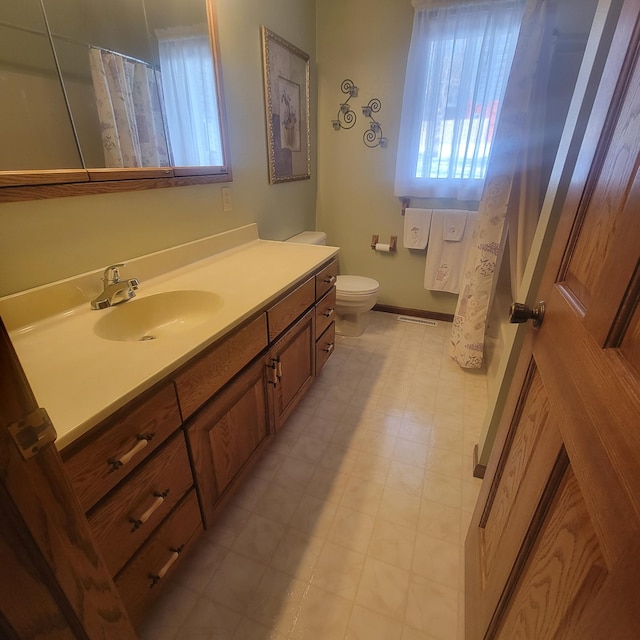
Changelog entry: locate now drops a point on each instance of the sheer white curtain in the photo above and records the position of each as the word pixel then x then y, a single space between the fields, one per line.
pixel 457 70
pixel 190 100
pixel 128 103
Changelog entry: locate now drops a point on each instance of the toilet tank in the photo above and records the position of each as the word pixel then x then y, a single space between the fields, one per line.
pixel 309 237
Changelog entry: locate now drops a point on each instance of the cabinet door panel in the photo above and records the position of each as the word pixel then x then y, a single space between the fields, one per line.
pixel 294 357
pixel 226 433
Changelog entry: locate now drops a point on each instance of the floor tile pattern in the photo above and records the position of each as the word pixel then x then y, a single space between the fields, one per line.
pixel 352 525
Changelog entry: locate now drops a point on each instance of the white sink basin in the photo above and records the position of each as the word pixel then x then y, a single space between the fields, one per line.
pixel 157 316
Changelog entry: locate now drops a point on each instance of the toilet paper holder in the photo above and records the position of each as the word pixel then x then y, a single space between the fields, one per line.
pixel 393 243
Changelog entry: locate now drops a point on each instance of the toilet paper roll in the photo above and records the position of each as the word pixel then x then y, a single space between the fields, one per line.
pixel 383 247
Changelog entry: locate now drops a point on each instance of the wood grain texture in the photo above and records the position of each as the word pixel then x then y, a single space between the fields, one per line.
pixel 325 346
pixel 53 531
pixel 224 435
pixel 178 531
pixel 86 187
pixel 325 278
pixel 296 352
pixel 89 460
pixel 197 381
pixel 292 306
pixel 563 574
pixel 112 520
pixel 325 311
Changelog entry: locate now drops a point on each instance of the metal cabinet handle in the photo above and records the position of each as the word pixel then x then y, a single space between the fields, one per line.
pixel 330 279
pixel 328 313
pixel 143 441
pixel 156 577
pixel 159 499
pixel 329 348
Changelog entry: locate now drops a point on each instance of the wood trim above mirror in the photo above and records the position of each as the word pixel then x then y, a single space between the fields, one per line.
pixel 45 191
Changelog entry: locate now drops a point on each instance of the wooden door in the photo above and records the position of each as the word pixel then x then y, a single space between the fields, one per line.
pixel 553 548
pixel 53 581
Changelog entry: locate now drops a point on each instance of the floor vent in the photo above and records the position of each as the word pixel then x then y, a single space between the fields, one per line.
pixel 416 320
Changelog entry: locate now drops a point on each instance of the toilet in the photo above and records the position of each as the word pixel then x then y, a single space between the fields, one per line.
pixel 355 295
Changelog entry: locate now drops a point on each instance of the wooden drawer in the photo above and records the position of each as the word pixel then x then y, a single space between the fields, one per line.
pixel 326 278
pixel 208 373
pixel 97 463
pixel 142 580
pixel 325 311
pixel 126 518
pixel 325 346
pixel 285 312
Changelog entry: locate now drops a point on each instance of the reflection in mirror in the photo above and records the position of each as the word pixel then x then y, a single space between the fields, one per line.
pixel 35 128
pixel 140 79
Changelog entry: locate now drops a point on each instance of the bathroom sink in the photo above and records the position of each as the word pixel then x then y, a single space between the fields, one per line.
pixel 157 316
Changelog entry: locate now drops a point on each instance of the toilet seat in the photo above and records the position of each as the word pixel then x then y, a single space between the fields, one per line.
pixel 356 286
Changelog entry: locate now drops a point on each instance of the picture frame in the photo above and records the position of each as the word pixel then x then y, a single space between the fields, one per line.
pixel 286 95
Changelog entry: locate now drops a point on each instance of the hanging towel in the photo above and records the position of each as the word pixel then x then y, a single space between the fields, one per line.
pixel 416 228
pixel 454 223
pixel 446 258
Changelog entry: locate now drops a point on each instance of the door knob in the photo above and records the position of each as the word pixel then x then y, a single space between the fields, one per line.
pixel 521 313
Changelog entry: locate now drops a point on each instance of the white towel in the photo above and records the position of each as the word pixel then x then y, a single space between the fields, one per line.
pixel 454 223
pixel 416 228
pixel 446 258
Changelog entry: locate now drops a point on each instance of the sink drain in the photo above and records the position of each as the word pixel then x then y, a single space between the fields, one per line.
pixel 145 338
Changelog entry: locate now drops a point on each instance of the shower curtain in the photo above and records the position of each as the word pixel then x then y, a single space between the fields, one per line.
pixel 128 103
pixel 506 165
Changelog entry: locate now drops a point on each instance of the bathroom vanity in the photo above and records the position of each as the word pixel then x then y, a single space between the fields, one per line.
pixel 156 433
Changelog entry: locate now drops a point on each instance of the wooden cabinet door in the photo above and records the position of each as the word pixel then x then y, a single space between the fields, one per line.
pixel 226 433
pixel 292 364
pixel 553 551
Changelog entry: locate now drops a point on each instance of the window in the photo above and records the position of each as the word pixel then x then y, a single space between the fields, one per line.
pixel 457 71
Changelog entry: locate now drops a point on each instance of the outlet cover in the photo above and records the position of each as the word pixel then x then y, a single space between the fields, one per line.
pixel 227 204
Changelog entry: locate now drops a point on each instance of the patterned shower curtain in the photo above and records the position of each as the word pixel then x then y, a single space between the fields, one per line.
pixel 467 337
pixel 128 103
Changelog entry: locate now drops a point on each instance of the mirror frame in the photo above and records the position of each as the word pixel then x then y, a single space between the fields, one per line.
pixel 18 186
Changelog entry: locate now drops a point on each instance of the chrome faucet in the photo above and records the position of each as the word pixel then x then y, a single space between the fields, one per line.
pixel 115 290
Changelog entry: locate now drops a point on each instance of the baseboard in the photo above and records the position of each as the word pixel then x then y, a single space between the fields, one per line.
pixel 418 313
pixel 478 469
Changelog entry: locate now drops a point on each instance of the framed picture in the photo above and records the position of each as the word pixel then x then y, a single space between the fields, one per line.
pixel 286 94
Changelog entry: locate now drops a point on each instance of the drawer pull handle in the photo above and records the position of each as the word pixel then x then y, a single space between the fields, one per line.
pixel 159 499
pixel 156 577
pixel 143 441
pixel 328 313
pixel 329 348
pixel 330 279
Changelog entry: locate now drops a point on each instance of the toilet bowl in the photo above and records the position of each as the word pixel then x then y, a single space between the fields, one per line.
pixel 355 295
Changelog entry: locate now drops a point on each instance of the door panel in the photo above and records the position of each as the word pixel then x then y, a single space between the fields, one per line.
pixel 553 540
pixel 563 572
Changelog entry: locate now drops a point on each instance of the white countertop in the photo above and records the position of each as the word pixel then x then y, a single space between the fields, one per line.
pixel 80 378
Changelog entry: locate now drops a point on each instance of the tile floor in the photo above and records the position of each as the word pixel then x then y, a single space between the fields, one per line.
pixel 352 525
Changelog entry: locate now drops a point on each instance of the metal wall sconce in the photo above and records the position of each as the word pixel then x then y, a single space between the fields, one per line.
pixel 346 116
pixel 373 135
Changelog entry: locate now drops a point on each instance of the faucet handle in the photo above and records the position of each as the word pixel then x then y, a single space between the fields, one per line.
pixel 111 274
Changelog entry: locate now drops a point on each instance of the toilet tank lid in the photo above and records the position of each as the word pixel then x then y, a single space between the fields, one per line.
pixel 309 237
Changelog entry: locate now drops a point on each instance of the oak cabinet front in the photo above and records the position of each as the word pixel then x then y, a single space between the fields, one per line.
pixel 226 434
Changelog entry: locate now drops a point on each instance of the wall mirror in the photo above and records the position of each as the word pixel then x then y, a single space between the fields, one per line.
pixel 110 96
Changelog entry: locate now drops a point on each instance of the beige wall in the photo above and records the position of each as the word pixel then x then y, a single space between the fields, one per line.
pixel 367 42
pixel 47 240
